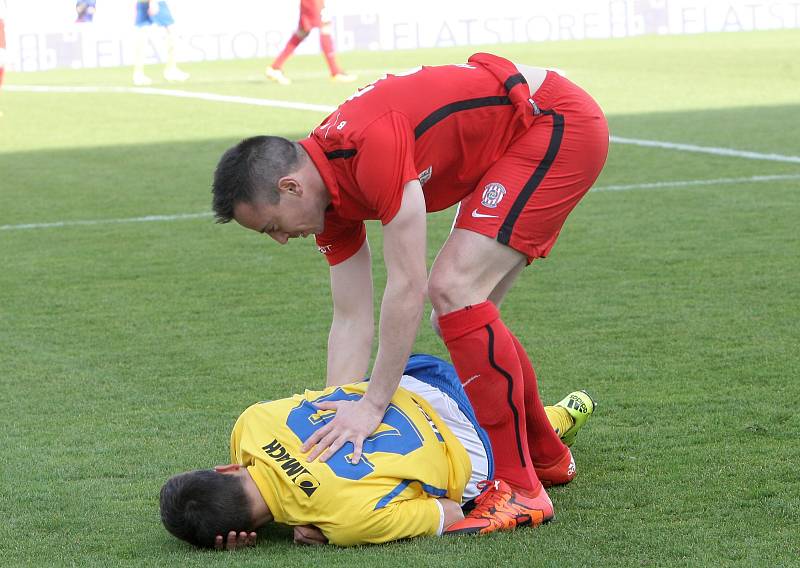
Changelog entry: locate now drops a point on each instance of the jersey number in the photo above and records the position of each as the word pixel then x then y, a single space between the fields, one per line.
pixel 401 437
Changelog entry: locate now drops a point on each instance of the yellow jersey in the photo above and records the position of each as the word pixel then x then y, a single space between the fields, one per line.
pixel 410 461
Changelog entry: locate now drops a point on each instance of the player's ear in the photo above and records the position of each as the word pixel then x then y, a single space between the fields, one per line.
pixel 289 184
pixel 230 468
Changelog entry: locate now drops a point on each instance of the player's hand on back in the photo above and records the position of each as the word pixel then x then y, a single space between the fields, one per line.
pixel 235 540
pixel 354 422
pixel 309 534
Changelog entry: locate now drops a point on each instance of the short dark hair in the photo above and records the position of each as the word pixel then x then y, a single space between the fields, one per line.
pixel 196 506
pixel 251 169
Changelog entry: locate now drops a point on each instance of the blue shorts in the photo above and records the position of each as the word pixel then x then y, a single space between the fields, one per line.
pixel 162 18
pixel 442 376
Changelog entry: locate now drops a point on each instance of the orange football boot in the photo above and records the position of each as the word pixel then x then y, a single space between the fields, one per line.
pixel 501 508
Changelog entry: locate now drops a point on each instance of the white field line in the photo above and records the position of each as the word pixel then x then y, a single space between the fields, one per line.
pixel 328 109
pixel 654 185
pixel 698 182
pixel 173 93
pixel 707 150
pixel 145 219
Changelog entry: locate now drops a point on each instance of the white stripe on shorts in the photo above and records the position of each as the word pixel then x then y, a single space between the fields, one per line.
pixel 460 426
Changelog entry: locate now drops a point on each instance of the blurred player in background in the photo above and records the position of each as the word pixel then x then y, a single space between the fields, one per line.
pixel 157 12
pixel 427 458
pixel 85 10
pixel 2 42
pixel 312 15
pixel 517 147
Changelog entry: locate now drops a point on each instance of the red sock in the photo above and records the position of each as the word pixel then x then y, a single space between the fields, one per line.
pixel 483 353
pixel 544 444
pixel 291 45
pixel 326 44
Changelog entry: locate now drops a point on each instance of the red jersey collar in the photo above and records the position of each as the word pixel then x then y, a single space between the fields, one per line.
pixel 317 156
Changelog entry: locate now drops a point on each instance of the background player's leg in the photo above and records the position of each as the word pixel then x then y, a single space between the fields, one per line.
pixel 140 39
pixel 274 71
pixel 172 72
pixel 296 39
pixel 326 44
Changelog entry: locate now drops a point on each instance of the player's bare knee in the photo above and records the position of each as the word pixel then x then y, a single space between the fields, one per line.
pixel 443 292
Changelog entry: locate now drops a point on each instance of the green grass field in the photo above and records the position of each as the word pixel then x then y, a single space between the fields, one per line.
pixel 129 348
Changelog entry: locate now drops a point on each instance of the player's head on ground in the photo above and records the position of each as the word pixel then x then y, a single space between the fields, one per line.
pixel 270 185
pixel 196 506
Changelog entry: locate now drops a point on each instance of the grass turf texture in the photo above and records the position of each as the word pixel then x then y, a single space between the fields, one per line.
pixel 128 350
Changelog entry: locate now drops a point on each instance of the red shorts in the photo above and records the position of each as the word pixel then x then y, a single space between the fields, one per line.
pixel 525 197
pixel 311 14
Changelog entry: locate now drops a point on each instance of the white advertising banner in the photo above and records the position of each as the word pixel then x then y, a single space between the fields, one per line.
pixel 42 34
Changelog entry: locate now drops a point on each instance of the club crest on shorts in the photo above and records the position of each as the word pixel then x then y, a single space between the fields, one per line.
pixel 492 195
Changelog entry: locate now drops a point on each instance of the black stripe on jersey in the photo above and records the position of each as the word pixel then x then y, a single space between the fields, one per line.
pixel 341 153
pixel 504 234
pixel 513 81
pixel 510 382
pixel 441 113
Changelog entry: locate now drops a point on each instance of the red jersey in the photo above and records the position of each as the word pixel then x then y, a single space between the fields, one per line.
pixel 443 125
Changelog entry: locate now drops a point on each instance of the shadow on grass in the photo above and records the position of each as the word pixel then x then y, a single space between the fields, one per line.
pixel 165 178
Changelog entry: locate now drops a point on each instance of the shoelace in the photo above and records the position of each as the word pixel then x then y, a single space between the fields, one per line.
pixel 490 496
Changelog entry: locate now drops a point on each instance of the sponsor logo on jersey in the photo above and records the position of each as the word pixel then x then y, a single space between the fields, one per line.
pixel 493 194
pixel 327 249
pixel 293 469
pixel 425 175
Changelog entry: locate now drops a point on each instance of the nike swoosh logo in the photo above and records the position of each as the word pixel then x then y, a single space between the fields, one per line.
pixel 483 215
pixel 469 380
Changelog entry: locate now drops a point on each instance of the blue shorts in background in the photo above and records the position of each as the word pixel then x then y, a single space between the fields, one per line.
pixel 163 18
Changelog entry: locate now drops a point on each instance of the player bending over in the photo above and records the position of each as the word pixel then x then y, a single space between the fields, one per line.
pixel 518 147
pixel 427 457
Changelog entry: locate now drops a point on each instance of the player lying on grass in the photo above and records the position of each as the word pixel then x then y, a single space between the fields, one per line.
pixel 427 458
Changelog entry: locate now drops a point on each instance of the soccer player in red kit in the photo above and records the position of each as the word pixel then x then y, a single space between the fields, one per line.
pixel 312 15
pixel 517 147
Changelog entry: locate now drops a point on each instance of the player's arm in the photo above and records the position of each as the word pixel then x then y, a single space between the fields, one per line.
pixel 309 534
pixel 401 311
pixel 352 328
pixel 451 512
pixel 398 520
pixel 404 243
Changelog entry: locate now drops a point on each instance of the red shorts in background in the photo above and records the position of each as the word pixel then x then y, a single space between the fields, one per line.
pixel 311 14
pixel 524 198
